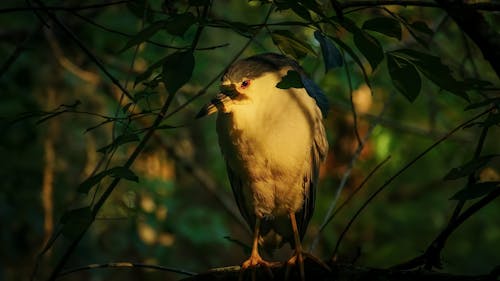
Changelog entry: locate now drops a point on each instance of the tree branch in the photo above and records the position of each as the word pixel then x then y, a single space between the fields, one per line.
pixel 490 6
pixel 340 272
pixel 485 36
pixel 61 8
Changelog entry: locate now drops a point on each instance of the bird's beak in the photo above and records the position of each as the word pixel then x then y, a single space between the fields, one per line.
pixel 217 104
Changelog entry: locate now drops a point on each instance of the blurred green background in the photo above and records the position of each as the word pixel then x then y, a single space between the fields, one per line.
pixel 181 212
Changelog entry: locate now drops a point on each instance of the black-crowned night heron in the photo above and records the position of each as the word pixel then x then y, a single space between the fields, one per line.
pixel 273 141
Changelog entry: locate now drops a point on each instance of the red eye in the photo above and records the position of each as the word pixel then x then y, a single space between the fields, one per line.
pixel 245 84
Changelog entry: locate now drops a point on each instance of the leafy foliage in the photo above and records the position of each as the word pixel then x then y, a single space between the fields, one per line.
pixel 174 53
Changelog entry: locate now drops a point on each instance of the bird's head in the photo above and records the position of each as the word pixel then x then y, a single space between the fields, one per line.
pixel 248 81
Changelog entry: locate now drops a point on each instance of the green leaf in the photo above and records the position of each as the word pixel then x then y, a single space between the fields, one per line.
pixel 122 139
pixel 143 95
pixel 290 80
pixel 146 74
pixel 421 26
pixel 404 76
pixel 180 23
pixel 177 70
pixel 137 8
pixel 384 25
pixel 116 172
pixel 331 55
pixel 144 34
pixel 475 191
pixel 289 44
pixel 370 47
pixel 87 184
pixel 76 221
pixel 124 173
pixel 301 11
pixel 469 167
pixel 434 70
pixel 239 27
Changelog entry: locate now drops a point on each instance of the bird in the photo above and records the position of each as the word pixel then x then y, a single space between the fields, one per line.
pixel 273 142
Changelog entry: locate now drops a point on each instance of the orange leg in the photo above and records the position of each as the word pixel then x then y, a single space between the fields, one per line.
pixel 255 260
pixel 297 256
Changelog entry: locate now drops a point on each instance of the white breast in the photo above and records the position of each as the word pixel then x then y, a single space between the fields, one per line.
pixel 267 142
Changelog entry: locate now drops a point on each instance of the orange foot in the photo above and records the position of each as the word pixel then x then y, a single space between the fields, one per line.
pixel 298 258
pixel 255 261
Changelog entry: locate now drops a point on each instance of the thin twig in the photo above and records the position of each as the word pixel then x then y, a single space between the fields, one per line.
pixel 18 50
pixel 138 149
pixel 348 199
pixel 61 8
pixel 397 174
pixel 128 265
pixel 351 98
pixel 85 49
pixel 105 28
pixel 345 177
pixel 215 79
pixel 484 6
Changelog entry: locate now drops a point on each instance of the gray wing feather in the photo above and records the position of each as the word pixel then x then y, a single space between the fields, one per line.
pixel 319 151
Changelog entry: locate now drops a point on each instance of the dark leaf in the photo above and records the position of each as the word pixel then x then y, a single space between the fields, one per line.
pixel 239 27
pixel 313 5
pixel 476 84
pixel 292 79
pixel 180 23
pixel 331 55
pixel 122 139
pixel 475 191
pixel 370 47
pixel 138 7
pixel 301 11
pixel 177 70
pixel 468 168
pixel 404 76
pixel 349 25
pixel 384 25
pixel 282 5
pixel 355 57
pixel 421 26
pixel 492 119
pixel 315 92
pixel 487 102
pixel 124 173
pixel 291 45
pixel 144 34
pixel 198 3
pixel 146 74
pixel 76 221
pixel 126 107
pixel 166 127
pixel 434 70
pixel 87 184
pixel 143 94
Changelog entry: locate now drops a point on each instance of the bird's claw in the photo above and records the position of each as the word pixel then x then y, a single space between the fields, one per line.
pixel 299 258
pixel 254 262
